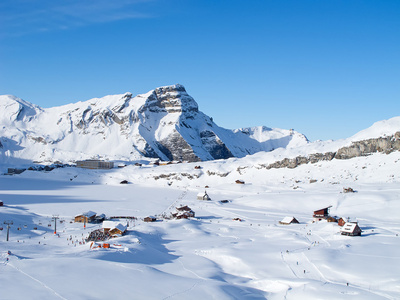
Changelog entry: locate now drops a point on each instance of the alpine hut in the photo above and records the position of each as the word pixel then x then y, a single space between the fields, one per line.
pixel 321 214
pixel 351 229
pixel 114 229
pixel 150 219
pixel 86 217
pixel 289 220
pixel 183 212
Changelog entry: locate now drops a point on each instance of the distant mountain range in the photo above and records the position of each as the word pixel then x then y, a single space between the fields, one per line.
pixel 164 123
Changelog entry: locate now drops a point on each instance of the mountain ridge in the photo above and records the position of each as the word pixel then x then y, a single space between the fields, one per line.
pixel 164 123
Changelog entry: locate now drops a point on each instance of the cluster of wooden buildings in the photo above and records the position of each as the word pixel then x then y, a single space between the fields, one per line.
pixel 183 212
pixel 347 228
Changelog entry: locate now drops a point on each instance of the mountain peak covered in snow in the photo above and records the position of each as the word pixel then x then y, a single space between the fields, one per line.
pixel 164 123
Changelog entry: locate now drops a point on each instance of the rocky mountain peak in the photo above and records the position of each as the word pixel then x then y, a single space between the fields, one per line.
pixel 171 99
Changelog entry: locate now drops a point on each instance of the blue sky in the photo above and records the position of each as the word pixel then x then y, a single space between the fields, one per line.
pixel 325 68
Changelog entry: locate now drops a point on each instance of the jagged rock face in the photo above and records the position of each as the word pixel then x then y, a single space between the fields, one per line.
pixel 164 123
pixel 359 148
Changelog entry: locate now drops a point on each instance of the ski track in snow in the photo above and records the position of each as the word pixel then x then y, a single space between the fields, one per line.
pixel 7 263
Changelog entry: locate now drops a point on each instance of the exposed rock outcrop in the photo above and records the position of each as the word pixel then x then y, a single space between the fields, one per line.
pixel 360 148
pixel 366 147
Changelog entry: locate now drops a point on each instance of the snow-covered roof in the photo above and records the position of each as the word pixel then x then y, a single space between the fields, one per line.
pixel 349 227
pixel 112 225
pixel 287 220
pixel 109 224
pixel 120 227
pixel 88 214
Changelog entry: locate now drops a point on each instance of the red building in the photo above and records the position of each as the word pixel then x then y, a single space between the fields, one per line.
pixel 321 214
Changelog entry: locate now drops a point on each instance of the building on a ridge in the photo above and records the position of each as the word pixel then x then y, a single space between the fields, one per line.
pixel 94 164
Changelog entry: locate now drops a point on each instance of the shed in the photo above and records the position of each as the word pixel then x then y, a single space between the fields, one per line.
pixel 86 217
pixel 203 196
pixel 351 229
pixel 289 220
pixel 322 213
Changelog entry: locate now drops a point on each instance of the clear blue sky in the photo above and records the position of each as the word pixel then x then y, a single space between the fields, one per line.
pixel 325 68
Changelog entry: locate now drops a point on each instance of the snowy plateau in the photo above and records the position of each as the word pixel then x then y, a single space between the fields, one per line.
pixel 234 247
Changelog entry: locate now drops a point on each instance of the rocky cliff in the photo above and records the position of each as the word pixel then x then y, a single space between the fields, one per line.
pixel 386 145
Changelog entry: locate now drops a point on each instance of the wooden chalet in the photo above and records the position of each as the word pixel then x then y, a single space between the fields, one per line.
pixel 321 214
pixel 86 217
pixel 289 220
pixel 183 212
pixel 351 229
pixel 203 196
pixel 114 229
pixel 118 230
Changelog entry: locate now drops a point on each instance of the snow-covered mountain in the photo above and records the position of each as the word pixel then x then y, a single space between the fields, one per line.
pixel 164 123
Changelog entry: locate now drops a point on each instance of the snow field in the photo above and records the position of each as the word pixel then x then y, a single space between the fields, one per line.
pixel 211 256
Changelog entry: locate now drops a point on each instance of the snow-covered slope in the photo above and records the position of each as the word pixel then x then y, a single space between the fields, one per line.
pixel 164 123
pixel 232 249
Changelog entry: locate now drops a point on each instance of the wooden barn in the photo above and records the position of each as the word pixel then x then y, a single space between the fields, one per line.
pixel 203 196
pixel 86 217
pixel 289 220
pixel 321 214
pixel 351 229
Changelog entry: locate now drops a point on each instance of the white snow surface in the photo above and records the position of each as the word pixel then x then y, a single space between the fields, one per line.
pixel 231 250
